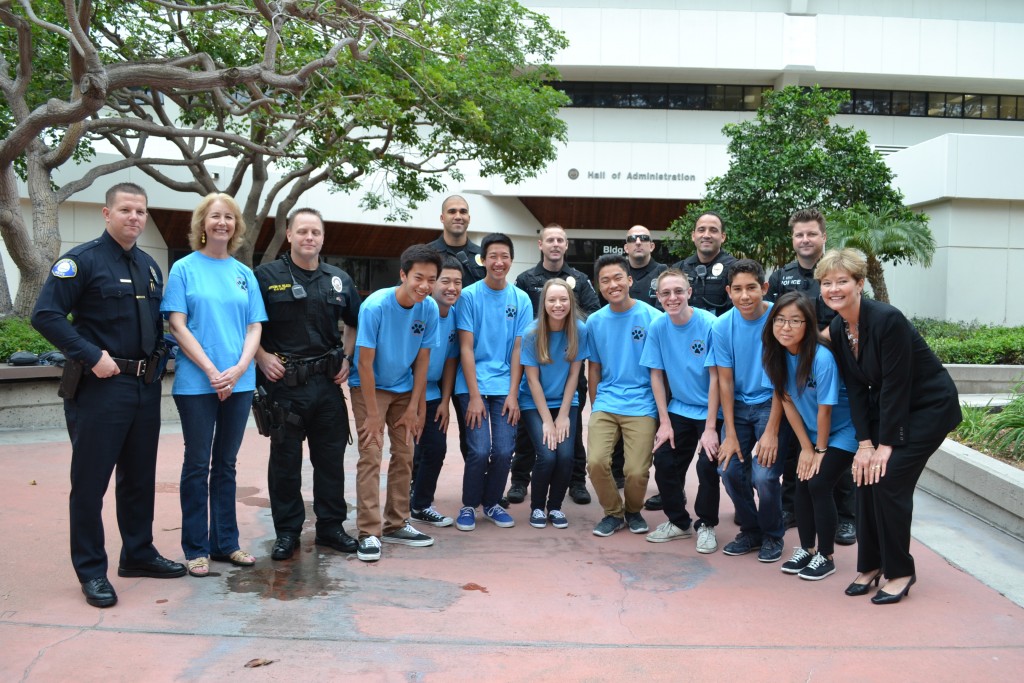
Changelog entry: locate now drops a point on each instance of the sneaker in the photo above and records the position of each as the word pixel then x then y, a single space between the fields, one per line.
pixel 771 550
pixel 558 519
pixel 667 531
pixel 818 568
pixel 516 493
pixel 799 560
pixel 432 517
pixel 408 535
pixel 466 520
pixel 579 494
pixel 742 544
pixel 846 533
pixel 538 520
pixel 637 523
pixel 608 526
pixel 707 542
pixel 369 549
pixel 499 516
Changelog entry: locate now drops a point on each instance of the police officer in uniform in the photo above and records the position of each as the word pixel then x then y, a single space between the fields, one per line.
pixel 553 245
pixel 303 366
pixel 708 268
pixel 113 290
pixel 455 240
pixel 808 232
pixel 642 267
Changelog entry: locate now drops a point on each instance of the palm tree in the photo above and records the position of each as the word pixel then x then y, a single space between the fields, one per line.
pixel 891 234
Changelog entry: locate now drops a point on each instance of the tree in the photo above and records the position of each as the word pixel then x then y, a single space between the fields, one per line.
pixel 401 91
pixel 884 235
pixel 789 157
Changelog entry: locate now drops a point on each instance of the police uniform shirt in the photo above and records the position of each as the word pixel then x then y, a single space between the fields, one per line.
pixel 532 282
pixel 93 282
pixel 472 258
pixel 792 277
pixel 710 291
pixel 307 327
pixel 644 285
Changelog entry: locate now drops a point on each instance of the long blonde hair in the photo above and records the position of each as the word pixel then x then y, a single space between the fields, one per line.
pixel 542 332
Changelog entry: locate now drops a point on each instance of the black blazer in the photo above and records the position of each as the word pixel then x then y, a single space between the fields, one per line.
pixel 899 391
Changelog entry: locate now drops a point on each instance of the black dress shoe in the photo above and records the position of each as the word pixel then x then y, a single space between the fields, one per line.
pixel 339 540
pixel 846 533
pixel 99 593
pixel 856 589
pixel 883 598
pixel 284 547
pixel 788 519
pixel 516 493
pixel 579 494
pixel 157 568
pixel 653 503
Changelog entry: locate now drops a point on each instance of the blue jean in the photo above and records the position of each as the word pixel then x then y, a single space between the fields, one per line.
pixel 765 518
pixel 552 470
pixel 428 459
pixel 490 454
pixel 213 431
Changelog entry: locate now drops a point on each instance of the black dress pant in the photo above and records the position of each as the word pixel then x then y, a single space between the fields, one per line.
pixel 526 455
pixel 114 424
pixel 321 407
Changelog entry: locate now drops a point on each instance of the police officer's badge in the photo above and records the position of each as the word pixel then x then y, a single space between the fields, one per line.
pixel 717 269
pixel 336 283
pixel 571 281
pixel 479 261
pixel 64 268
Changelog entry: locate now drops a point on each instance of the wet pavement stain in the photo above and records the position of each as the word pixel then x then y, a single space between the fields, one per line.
pixel 474 587
pixel 301 577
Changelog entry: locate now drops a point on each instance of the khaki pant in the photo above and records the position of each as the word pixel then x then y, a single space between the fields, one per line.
pixel 391 406
pixel 637 435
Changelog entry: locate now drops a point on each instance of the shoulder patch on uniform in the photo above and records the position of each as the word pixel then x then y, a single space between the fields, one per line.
pixel 64 268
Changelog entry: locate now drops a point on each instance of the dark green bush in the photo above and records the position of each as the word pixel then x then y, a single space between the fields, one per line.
pixel 972 343
pixel 17 335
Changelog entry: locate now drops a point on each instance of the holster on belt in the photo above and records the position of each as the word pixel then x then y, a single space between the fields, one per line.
pixel 261 412
pixel 69 379
pixel 156 365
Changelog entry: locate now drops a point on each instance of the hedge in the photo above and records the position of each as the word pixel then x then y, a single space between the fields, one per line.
pixel 971 343
pixel 16 334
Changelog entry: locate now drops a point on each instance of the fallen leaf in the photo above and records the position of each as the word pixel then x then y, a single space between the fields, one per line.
pixel 253 663
pixel 32 483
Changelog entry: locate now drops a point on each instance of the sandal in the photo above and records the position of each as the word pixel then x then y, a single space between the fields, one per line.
pixel 239 558
pixel 199 567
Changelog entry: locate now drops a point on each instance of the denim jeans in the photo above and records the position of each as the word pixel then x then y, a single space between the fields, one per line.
pixel 490 454
pixel 765 518
pixel 552 470
pixel 213 431
pixel 428 459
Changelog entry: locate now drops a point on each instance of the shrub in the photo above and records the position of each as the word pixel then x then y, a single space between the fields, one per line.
pixel 16 334
pixel 1004 431
pixel 972 343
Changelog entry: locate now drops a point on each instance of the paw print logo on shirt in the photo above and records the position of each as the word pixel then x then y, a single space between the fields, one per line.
pixel 451 337
pixel 811 383
pixel 242 284
pixel 510 312
pixel 639 333
pixel 418 326
pixel 698 347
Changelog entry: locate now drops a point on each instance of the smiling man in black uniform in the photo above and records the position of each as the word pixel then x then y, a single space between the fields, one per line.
pixel 455 240
pixel 708 267
pixel 303 364
pixel 113 290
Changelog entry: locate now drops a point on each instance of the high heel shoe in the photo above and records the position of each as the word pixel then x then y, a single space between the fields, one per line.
pixel 855 589
pixel 883 598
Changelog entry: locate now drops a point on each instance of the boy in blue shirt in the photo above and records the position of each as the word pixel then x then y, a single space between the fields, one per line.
pixel 444 361
pixel 620 393
pixel 397 330
pixel 748 413
pixel 493 316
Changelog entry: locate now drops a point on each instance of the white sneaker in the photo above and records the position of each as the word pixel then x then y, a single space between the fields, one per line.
pixel 667 531
pixel 707 542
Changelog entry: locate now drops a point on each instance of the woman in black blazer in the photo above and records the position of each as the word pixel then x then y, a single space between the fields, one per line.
pixel 903 404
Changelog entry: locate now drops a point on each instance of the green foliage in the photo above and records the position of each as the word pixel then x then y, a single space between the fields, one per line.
pixel 892 234
pixel 16 334
pixel 789 157
pixel 971 343
pixel 1004 431
pixel 971 430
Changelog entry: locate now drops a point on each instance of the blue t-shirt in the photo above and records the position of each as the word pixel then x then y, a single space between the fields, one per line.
pixel 449 348
pixel 824 387
pixel 397 334
pixel 220 299
pixel 681 351
pixel 617 343
pixel 496 318
pixel 738 346
pixel 555 374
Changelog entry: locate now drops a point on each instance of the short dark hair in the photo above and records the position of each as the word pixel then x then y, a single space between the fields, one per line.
pixel 710 213
pixel 451 197
pixel 305 209
pixel 124 188
pixel 419 253
pixel 746 265
pixel 806 216
pixel 449 262
pixel 610 260
pixel 497 238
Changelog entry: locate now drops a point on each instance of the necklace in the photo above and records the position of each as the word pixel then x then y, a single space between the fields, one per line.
pixel 852 335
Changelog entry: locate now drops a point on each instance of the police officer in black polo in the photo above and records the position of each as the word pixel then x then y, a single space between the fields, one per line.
pixel 642 267
pixel 303 366
pixel 113 290
pixel 553 245
pixel 808 232
pixel 455 240
pixel 708 268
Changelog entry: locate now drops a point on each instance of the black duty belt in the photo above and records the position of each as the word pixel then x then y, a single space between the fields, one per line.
pixel 131 367
pixel 313 366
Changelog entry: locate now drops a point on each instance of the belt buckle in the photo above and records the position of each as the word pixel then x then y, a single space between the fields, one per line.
pixel 140 368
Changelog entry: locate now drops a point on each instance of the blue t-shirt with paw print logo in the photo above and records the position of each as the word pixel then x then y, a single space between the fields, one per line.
pixel 396 334
pixel 617 342
pixel 496 317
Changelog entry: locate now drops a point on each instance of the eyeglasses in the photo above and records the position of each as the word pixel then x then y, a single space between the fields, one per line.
pixel 784 322
pixel 630 239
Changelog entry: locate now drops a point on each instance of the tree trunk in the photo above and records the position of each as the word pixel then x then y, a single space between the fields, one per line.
pixel 877 279
pixel 6 307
